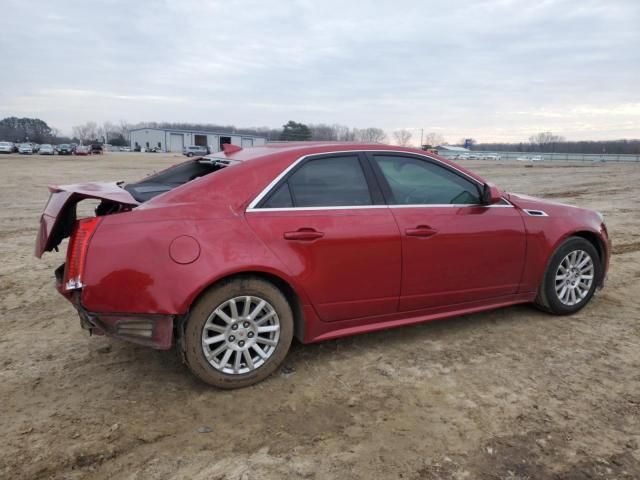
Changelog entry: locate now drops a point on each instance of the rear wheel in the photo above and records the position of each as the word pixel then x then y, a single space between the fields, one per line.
pixel 571 277
pixel 238 333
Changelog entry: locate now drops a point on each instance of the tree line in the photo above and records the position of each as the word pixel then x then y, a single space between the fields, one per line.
pixel 36 130
pixel 547 142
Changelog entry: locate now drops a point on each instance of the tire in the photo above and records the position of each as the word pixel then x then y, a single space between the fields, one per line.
pixel 189 154
pixel 554 295
pixel 222 369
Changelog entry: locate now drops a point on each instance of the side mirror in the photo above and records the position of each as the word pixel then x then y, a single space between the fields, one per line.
pixel 490 194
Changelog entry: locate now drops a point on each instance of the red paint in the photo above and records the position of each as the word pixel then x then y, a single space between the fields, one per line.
pixel 354 270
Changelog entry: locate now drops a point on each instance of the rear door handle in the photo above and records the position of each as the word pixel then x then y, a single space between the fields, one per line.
pixel 421 231
pixel 304 234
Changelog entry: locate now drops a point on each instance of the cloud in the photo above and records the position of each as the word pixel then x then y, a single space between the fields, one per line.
pixel 489 69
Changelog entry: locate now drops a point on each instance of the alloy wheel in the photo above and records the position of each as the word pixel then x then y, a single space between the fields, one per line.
pixel 240 335
pixel 574 277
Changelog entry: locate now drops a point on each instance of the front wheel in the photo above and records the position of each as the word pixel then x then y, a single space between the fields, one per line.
pixel 238 333
pixel 571 277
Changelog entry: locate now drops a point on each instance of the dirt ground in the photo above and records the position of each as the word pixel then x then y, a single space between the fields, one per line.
pixel 511 394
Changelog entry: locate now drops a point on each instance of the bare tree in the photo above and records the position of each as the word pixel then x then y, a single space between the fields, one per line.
pixel 322 131
pixel 433 139
pixel 370 135
pixel 343 134
pixel 402 137
pixel 87 132
pixel 545 141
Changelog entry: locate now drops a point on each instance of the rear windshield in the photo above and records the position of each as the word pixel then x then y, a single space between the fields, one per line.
pixel 171 178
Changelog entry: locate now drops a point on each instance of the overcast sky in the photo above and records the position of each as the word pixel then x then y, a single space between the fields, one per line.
pixel 489 69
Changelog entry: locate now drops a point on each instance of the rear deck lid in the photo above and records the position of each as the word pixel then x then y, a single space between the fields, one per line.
pixel 59 216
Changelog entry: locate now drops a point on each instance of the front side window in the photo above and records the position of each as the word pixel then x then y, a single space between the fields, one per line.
pixel 413 181
pixel 323 182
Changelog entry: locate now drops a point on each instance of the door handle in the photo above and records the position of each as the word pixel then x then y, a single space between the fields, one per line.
pixel 304 234
pixel 421 231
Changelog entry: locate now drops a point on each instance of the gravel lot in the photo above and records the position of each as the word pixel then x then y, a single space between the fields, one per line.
pixel 510 394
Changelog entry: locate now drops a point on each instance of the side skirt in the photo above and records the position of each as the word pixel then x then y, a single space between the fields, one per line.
pixel 318 331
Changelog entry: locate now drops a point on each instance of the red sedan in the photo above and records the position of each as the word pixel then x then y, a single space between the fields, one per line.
pixel 230 256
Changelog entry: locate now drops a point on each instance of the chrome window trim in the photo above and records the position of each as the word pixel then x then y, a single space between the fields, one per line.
pixel 265 191
pixel 364 207
pixel 298 209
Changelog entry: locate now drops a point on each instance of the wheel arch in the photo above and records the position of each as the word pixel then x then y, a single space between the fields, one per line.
pixel 591 237
pixel 291 294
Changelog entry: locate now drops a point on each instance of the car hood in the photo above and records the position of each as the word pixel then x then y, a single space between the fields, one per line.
pixel 526 202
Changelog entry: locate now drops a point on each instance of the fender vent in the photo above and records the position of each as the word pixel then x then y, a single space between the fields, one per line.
pixel 536 213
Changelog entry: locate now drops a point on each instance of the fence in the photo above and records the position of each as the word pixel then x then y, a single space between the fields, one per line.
pixel 535 156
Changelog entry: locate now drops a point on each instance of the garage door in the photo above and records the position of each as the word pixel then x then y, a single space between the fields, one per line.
pixel 247 142
pixel 176 142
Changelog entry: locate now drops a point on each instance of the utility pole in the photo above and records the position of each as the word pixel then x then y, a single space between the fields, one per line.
pixel 421 138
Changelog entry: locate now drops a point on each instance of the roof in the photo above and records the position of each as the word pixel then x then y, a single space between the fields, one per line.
pixel 452 148
pixel 206 132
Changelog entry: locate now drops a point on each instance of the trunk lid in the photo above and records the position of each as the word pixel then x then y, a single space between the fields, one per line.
pixel 59 216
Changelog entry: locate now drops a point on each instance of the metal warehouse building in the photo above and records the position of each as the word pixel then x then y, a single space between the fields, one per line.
pixel 170 140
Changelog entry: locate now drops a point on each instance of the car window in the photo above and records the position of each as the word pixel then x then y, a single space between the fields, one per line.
pixel 324 182
pixel 419 182
pixel 281 198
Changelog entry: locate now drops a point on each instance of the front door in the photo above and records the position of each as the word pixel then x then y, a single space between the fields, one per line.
pixel 454 249
pixel 335 236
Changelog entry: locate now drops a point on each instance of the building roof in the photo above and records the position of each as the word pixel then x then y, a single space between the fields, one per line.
pixel 452 148
pixel 204 132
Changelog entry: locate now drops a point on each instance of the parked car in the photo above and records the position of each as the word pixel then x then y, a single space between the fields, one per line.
pixel 7 147
pixel 65 149
pixel 195 151
pixel 125 149
pixel 314 240
pixel 82 150
pixel 96 148
pixel 25 149
pixel 492 156
pixel 536 158
pixel 46 149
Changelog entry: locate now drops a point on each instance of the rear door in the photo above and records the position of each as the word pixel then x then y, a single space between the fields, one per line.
pixel 327 222
pixel 454 249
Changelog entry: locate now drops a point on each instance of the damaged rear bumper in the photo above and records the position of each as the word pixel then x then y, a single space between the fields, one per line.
pixel 150 330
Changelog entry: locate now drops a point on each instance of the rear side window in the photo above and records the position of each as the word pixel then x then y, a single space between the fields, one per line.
pixel 414 181
pixel 323 182
pixel 281 198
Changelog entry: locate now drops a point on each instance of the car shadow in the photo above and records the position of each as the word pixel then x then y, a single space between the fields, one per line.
pixel 145 362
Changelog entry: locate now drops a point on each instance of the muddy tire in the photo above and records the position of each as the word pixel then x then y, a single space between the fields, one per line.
pixel 571 278
pixel 238 333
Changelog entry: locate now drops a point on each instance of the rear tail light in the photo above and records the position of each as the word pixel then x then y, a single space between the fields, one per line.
pixel 77 251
